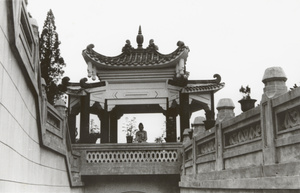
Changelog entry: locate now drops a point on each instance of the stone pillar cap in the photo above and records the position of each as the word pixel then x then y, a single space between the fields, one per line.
pixel 60 102
pixel 274 73
pixel 198 121
pixel 225 103
pixel 186 131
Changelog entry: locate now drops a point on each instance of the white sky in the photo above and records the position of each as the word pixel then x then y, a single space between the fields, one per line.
pixel 236 39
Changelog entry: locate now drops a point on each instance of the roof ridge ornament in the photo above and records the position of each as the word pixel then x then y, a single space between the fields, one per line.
pixel 140 38
pixel 152 46
pixel 127 49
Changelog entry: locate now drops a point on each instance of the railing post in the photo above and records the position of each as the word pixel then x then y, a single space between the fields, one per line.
pixel 225 111
pixel 60 106
pixel 185 139
pixel 274 79
pixel 219 147
pixel 194 152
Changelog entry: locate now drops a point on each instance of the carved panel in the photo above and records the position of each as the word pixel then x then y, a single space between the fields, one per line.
pixel 53 121
pixel 188 154
pixel 289 119
pixel 206 147
pixel 244 134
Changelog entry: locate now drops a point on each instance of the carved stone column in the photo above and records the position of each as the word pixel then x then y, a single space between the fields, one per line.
pixel 274 79
pixel 225 111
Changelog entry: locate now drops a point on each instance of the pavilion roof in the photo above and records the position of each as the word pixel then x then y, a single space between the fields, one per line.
pixel 136 58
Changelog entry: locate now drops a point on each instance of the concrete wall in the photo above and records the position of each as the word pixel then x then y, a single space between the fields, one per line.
pixel 133 184
pixel 25 166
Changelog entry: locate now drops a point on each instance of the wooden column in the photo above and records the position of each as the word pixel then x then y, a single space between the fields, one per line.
pixel 84 118
pixel 184 113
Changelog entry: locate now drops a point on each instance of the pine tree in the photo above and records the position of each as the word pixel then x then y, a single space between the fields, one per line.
pixel 50 60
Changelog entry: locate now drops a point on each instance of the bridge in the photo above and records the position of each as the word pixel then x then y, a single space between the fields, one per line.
pixel 256 151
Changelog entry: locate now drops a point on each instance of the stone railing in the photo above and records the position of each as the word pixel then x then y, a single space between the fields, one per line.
pixel 259 149
pixel 55 135
pixel 132 156
pixel 286 111
pixel 130 159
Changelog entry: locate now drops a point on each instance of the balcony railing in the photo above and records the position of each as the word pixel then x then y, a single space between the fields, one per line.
pixel 130 159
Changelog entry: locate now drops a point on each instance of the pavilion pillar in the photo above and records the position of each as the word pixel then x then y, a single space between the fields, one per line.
pixel 105 127
pixel 171 125
pixel 184 113
pixel 72 126
pixel 84 119
pixel 73 112
pixel 113 119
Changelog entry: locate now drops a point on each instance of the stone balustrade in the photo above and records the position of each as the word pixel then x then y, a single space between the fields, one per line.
pixel 129 159
pixel 256 150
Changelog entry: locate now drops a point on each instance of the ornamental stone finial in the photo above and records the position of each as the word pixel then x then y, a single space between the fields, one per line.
pixel 140 38
pixel 274 79
pixel 60 105
pixel 198 125
pixel 225 108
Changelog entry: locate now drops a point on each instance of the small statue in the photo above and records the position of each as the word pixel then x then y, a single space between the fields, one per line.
pixel 141 135
pixel 127 48
pixel 152 45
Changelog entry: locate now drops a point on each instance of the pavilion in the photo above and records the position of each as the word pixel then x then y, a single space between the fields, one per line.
pixel 139 80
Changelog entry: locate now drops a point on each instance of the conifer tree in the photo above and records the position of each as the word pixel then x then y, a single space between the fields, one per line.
pixel 50 60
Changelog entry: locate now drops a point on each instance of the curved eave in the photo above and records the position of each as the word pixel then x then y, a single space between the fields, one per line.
pixel 202 88
pixel 138 59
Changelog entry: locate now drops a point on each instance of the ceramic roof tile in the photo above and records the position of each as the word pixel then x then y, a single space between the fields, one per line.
pixel 135 58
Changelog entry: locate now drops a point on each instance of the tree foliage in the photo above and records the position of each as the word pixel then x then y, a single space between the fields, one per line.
pixel 50 60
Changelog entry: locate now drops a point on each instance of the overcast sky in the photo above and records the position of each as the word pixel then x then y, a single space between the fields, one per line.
pixel 236 39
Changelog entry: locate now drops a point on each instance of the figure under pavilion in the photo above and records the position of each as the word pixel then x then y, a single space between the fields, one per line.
pixel 139 80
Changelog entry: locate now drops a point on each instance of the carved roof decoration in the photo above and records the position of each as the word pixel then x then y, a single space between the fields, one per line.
pixel 136 58
pixel 203 88
pixel 196 86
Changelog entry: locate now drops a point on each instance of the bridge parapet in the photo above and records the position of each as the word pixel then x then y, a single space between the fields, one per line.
pixel 256 150
pixel 130 159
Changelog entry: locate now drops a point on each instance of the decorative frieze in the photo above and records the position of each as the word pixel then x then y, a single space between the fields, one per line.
pixel 247 133
pixel 131 156
pixel 289 119
pixel 206 147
